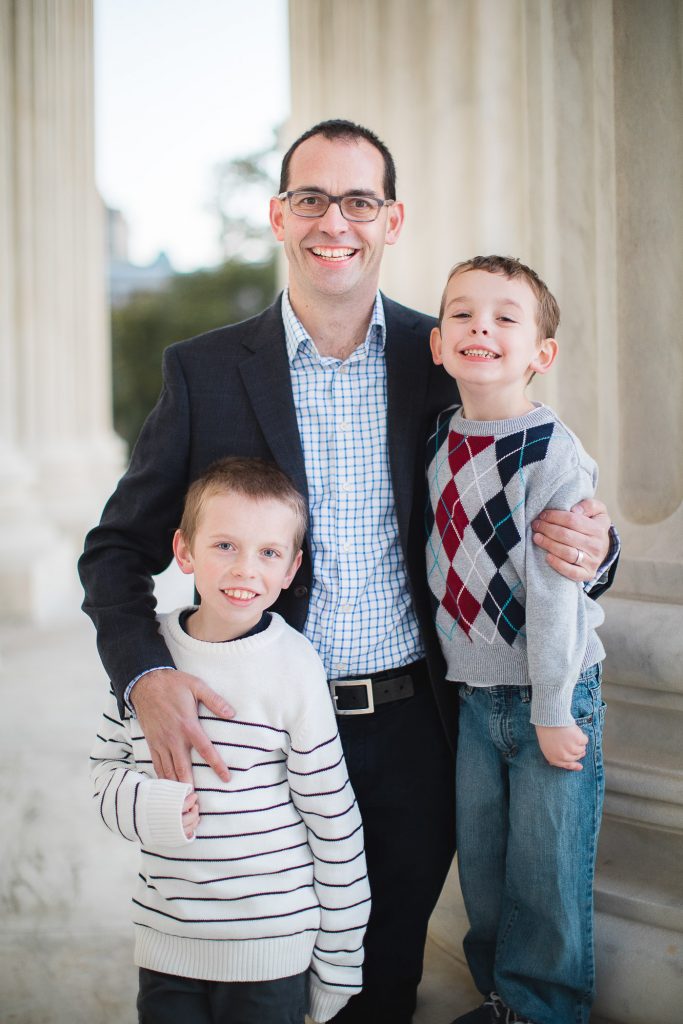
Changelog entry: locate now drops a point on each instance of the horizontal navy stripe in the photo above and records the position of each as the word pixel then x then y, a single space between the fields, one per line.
pixel 226 920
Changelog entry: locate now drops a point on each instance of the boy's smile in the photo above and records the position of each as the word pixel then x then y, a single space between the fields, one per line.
pixel 488 341
pixel 242 555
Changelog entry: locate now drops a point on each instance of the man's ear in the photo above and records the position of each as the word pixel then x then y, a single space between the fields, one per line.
pixel 277 218
pixel 435 345
pixel 183 555
pixel 545 356
pixel 394 222
pixel 293 569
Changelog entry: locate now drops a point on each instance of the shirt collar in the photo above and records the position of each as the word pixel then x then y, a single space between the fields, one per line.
pixel 296 334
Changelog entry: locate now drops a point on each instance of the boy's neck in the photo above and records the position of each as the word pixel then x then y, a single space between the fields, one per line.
pixel 199 627
pixel 493 404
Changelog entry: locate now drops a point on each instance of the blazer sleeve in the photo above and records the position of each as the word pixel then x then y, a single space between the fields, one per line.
pixel 133 539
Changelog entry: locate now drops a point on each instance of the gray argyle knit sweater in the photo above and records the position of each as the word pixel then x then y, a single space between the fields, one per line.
pixel 503 616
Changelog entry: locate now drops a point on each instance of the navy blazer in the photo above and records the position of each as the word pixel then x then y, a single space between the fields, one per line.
pixel 228 392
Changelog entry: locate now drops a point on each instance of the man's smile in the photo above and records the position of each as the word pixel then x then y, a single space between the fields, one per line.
pixel 328 253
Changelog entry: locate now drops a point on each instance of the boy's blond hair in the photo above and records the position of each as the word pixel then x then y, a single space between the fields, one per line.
pixel 252 478
pixel 548 315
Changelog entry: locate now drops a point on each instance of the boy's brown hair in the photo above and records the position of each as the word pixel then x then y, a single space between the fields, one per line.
pixel 548 315
pixel 252 478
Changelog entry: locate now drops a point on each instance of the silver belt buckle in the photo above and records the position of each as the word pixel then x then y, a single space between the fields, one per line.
pixel 367 683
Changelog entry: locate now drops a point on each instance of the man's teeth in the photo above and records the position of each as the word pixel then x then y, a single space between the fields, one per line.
pixel 240 595
pixel 333 254
pixel 480 352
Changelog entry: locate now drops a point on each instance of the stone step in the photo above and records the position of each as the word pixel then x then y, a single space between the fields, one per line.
pixel 639 874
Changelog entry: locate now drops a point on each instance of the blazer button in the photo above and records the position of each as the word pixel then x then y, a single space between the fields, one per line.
pixel 300 591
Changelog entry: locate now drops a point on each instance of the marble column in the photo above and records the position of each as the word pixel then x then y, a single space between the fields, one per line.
pixel 552 130
pixel 58 453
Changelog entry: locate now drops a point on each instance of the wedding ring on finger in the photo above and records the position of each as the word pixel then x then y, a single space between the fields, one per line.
pixel 579 557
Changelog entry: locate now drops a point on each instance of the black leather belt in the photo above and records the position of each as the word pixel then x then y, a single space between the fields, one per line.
pixel 362 696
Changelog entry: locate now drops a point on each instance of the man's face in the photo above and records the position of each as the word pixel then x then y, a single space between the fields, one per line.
pixel 242 555
pixel 329 256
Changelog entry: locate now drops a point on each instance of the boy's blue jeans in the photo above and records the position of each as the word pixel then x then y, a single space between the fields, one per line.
pixel 527 835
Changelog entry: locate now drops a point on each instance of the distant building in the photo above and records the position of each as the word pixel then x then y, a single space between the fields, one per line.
pixel 123 277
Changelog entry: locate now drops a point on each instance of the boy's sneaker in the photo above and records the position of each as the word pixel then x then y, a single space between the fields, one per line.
pixel 492 1011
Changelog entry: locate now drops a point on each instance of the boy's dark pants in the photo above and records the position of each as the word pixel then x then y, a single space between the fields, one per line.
pixel 168 999
pixel 402 772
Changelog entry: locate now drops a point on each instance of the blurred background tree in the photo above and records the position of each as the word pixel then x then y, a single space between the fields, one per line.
pixel 192 303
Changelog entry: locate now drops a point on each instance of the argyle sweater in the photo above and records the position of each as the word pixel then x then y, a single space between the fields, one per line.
pixel 503 616
pixel 274 881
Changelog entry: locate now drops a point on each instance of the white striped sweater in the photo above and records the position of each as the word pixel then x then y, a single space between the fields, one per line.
pixel 274 881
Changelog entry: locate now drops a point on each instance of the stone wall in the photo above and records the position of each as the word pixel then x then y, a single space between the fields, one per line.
pixel 58 456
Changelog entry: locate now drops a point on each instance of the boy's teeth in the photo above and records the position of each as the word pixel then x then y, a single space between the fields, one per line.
pixel 480 352
pixel 333 254
pixel 241 595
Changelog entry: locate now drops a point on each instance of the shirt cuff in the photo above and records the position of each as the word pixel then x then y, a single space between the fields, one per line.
pixel 131 684
pixel 600 577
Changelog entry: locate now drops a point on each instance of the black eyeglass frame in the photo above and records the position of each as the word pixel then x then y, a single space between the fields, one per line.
pixel 335 199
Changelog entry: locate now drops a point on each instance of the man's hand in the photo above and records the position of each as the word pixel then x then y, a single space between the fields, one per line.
pixel 165 702
pixel 190 814
pixel 563 535
pixel 562 746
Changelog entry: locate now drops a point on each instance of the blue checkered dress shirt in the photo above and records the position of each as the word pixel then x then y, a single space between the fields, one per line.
pixel 360 618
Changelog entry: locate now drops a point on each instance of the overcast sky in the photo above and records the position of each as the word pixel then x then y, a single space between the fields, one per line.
pixel 182 85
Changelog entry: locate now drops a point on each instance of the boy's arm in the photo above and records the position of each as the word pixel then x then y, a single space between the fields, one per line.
pixel 322 793
pixel 130 802
pixel 130 545
pixel 559 616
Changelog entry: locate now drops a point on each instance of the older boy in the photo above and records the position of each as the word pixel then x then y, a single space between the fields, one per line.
pixel 521 642
pixel 250 887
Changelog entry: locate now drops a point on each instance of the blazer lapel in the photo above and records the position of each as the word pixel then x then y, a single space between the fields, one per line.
pixel 407 378
pixel 265 373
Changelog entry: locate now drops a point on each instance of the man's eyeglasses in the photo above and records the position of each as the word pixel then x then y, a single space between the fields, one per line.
pixel 353 206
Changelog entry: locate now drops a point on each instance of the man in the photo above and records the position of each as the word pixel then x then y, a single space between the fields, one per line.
pixel 336 384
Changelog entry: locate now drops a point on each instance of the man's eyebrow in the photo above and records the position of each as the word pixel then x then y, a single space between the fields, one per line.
pixel 351 192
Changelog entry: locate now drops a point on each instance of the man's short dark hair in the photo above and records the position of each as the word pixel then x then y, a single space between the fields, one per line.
pixel 347 131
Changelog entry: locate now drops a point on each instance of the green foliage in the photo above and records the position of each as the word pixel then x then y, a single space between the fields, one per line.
pixel 190 304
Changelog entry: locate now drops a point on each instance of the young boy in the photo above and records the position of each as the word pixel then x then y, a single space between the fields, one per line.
pixel 254 890
pixel 521 642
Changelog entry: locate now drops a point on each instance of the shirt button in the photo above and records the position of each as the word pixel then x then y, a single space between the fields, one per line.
pixel 343 369
pixel 346 608
pixel 347 546
pixel 344 425
pixel 347 486
pixel 340 666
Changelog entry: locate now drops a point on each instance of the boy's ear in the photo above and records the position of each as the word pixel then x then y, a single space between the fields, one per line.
pixel 293 569
pixel 545 356
pixel 183 555
pixel 435 345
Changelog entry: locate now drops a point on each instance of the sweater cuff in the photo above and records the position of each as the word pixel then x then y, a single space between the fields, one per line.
pixel 162 824
pixel 323 1004
pixel 551 706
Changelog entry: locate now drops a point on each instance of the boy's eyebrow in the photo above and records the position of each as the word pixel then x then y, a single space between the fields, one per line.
pixel 466 298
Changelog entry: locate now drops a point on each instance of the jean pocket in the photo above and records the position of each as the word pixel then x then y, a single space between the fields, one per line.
pixel 586 698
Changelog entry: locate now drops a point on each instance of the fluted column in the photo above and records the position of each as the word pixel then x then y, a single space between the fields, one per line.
pixel 59 454
pixel 552 130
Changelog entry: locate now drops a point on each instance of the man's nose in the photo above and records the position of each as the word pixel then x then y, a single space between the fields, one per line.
pixel 332 220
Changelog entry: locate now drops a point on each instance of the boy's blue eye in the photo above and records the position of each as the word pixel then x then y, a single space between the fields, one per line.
pixel 224 545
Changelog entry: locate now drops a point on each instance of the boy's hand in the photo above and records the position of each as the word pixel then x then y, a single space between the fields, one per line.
pixel 190 814
pixel 563 535
pixel 165 702
pixel 562 746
